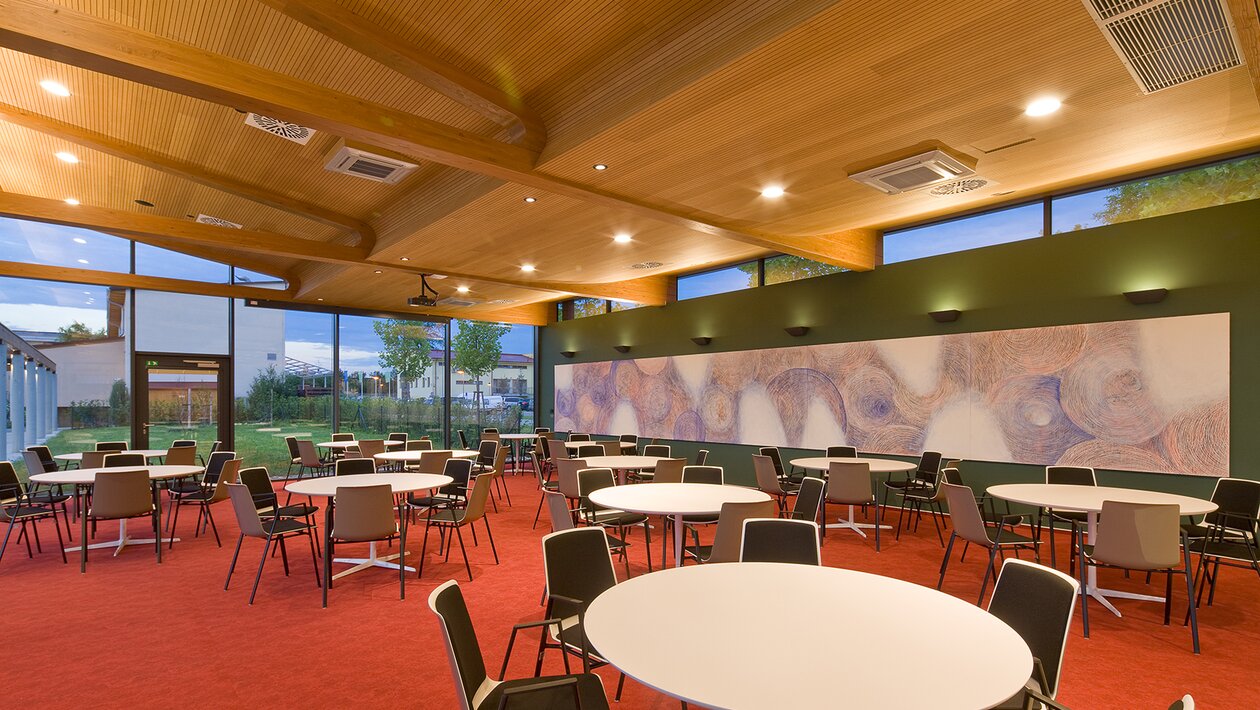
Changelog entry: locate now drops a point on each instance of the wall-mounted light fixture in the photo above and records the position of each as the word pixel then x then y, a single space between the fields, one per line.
pixel 946 316
pixel 568 353
pixel 702 340
pixel 1147 296
pixel 622 348
pixel 797 331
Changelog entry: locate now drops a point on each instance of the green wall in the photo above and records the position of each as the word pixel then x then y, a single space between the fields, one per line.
pixel 1207 258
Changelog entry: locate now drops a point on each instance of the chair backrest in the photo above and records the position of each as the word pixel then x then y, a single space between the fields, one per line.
pixel 701 456
pixel 433 461
pixel 577 564
pixel 343 436
pixel 353 467
pixel 460 471
pixel 566 476
pixel 45 457
pixel 181 456
pixel 489 435
pixel 542 430
pixel 419 445
pixel 809 499
pixel 773 453
pixel 111 446
pixel 728 538
pixel 1139 535
pixel 490 430
pixel 703 474
pixel 215 465
pixel 951 463
pixel 246 509
pixel 579 437
pixel 229 473
pixel 369 448
pixel 849 483
pixel 10 485
pixel 463 439
pixel 121 494
pixel 1038 603
pixel 593 479
pixel 124 459
pixel 476 508
pixel 291 442
pixel 953 476
pixel 462 650
pixel 780 540
pixel 611 448
pixel 767 479
pixel 364 513
pixel 215 445
pixel 590 450
pixel 94 459
pixel 965 514
pixel 308 454
pixel 397 436
pixel 1236 499
pixel 1071 475
pixel 33 463
pixel 661 450
pixel 929 466
pixel 841 452
pixel 486 451
pixel 255 478
pixel 184 442
pixel 669 471
pixel 629 439
pixel 558 511
pixel 543 446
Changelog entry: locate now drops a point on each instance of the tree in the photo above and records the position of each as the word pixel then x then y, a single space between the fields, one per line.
pixel 478 347
pixel 119 403
pixel 405 348
pixel 1234 181
pixel 78 331
pixel 788 268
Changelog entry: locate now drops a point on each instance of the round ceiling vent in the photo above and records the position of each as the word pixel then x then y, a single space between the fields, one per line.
pixel 958 187
pixel 646 265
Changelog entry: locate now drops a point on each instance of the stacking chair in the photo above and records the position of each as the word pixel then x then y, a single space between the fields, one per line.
pixel 211 490
pixel 1067 476
pixel 455 519
pixel 369 448
pixel 589 450
pixel 94 459
pixel 399 436
pixel 17 507
pixel 611 448
pixel 592 479
pixel 780 540
pixel 661 450
pixel 487 449
pixel 809 499
pixel 545 486
pixel 579 437
pixel 183 442
pixel 969 525
pixel 478 691
pixel 310 462
pixel 578 567
pixel 850 484
pixel 180 456
pixel 353 467
pixel 124 459
pixel 713 475
pixel 191 486
pixel 665 471
pixel 768 480
pixel 364 514
pixel 1037 602
pixel 916 497
pixel 925 476
pixel 11 487
pixel 450 495
pixel 419 445
pixel 1229 535
pixel 632 439
pixel 841 452
pixel 121 495
pixel 214 446
pixel 566 479
pixel 270 530
pixel 494 475
pixel 343 436
pixel 43 454
pixel 111 446
pixel 783 474
pixel 463 440
pixel 729 535
pixel 265 500
pixel 295 456
pixel 1144 537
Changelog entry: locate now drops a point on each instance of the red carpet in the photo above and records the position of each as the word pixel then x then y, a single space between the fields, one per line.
pixel 131 633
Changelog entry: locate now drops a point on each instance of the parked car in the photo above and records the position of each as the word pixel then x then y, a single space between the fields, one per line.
pixel 519 400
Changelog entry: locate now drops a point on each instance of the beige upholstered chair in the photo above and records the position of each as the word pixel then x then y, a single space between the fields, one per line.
pixel 270 530
pixel 728 538
pixel 311 463
pixel 369 448
pixel 668 471
pixel 431 462
pixel 566 476
pixel 181 456
pixel 969 525
pixel 611 448
pixel 849 484
pixel 93 459
pixel 363 514
pixel 456 519
pixel 121 495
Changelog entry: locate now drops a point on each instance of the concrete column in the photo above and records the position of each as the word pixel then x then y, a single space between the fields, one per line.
pixel 17 407
pixel 4 403
pixel 41 403
pixel 52 403
pixel 31 399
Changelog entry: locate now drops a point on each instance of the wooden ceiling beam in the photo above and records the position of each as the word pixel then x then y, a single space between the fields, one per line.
pixel 243 261
pixel 352 30
pixel 1246 16
pixel 59 34
pixel 188 171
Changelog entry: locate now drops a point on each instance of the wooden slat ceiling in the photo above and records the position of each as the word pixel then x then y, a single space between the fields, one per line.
pixel 694 105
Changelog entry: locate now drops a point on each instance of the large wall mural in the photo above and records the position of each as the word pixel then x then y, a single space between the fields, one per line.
pixel 1144 395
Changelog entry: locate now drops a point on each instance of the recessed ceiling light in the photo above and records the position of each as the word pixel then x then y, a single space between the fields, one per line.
pixel 66 157
pixel 527 268
pixel 622 238
pixel 80 240
pixel 319 299
pixel 404 258
pixel 377 271
pixel 144 203
pixel 600 166
pixel 71 201
pixel 462 289
pixel 56 88
pixel 1043 106
pixel 531 200
pixel 83 261
pixel 772 191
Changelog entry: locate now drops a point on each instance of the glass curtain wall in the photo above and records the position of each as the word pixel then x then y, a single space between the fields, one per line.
pixel 492 379
pixel 392 377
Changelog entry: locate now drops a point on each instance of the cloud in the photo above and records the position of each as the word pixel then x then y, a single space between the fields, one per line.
pixel 44 317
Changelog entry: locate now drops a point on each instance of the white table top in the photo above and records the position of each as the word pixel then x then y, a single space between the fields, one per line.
pixel 1089 499
pixel 850 650
pixel 87 476
pixel 575 445
pixel 355 443
pixel 675 498
pixel 415 455
pixel 822 463
pixel 519 437
pixel 326 486
pixel 622 462
pixel 148 453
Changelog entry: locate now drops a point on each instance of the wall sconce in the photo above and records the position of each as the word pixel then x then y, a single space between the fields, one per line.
pixel 622 348
pixel 1146 297
pixel 702 340
pixel 946 316
pixel 797 331
pixel 568 353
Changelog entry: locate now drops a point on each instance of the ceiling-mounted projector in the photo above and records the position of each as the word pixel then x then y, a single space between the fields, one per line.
pixel 428 295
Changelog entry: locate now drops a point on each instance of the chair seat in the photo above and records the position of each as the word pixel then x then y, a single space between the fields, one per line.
pixel 590 692
pixel 183 487
pixel 47 497
pixel 700 519
pixel 1010 538
pixel 199 494
pixel 615 518
pixel 1088 551
pixel 908 484
pixel 438 501
pixel 26 512
pixel 1236 550
pixel 698 552
pixel 284 526
pixel 920 493
pixel 1198 531
pixel 1070 515
pixel 551 485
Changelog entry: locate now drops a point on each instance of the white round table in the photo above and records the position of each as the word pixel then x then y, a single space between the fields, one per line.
pixel 352 444
pixel 515 440
pixel 414 456
pixel 87 476
pixel 972 659
pixel 148 454
pixel 575 445
pixel 621 464
pixel 823 463
pixel 326 487
pixel 676 499
pixel 1089 500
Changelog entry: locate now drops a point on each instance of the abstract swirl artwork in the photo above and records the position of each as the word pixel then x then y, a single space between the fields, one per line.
pixel 1141 395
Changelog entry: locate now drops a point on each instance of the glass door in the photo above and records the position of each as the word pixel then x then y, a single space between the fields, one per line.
pixel 182 397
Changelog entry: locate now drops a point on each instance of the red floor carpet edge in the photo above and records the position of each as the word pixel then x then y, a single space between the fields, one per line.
pixel 131 633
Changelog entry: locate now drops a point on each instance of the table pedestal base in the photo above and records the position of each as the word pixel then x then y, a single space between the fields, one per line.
pixel 849 524
pixel 362 563
pixel 123 540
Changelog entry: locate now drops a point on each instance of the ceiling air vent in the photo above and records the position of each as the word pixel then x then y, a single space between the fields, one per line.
pixel 456 302
pixel 647 265
pixel 958 187
pixel 914 173
pixel 369 166
pixel 288 131
pixel 1168 42
pixel 217 222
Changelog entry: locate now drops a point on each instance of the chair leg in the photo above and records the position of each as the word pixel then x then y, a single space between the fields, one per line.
pixel 232 567
pixel 424 548
pixel 464 551
pixel 647 543
pixel 83 541
pixel 878 521
pixel 1084 596
pixel 1168 596
pixel 214 528
pixel 937 514
pixel 284 554
pixel 486 521
pixel 988 571
pixel 60 542
pixel 945 561
pixel 258 577
pixel 402 555
pixel 1054 558
pixel 621 682
pixel 310 539
pixel 175 523
pixel 8 531
pixel 538 514
pixel 1194 617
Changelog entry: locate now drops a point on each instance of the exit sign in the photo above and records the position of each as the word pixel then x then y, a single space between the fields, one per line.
pixel 150 363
